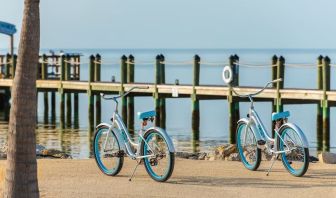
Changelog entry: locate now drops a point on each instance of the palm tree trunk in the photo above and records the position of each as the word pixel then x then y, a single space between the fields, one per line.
pixel 21 171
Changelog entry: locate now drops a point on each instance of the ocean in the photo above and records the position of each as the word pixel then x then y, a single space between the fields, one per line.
pixel 214 113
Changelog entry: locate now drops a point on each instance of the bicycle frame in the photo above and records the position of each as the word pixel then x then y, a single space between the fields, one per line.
pixel 127 140
pixel 124 138
pixel 261 133
pixel 259 130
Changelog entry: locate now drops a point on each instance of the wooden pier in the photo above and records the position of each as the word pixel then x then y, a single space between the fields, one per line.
pixel 61 74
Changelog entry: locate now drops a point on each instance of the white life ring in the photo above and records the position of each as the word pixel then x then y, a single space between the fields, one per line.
pixel 227 74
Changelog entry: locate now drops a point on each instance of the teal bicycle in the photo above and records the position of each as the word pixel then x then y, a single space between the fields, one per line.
pixel 252 137
pixel 153 147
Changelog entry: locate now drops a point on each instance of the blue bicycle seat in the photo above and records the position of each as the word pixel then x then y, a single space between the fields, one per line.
pixel 147 114
pixel 280 115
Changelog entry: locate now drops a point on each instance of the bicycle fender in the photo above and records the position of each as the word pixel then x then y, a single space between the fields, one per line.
pixel 116 132
pixel 252 126
pixel 298 130
pixel 243 120
pixel 103 125
pixel 165 135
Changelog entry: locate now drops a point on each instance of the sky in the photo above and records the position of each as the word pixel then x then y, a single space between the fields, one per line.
pixel 223 24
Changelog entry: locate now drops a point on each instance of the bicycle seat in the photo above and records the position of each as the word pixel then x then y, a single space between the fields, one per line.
pixel 147 114
pixel 280 115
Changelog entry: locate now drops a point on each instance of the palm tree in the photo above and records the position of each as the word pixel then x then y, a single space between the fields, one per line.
pixel 21 170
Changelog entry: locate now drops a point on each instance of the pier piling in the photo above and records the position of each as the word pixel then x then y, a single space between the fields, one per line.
pixel 90 94
pixel 274 76
pixel 44 67
pixel 53 107
pixel 8 66
pixel 157 69
pixel 123 78
pixel 280 85
pixel 13 68
pixel 7 105
pixel 325 109
pixel 319 110
pixel 130 99
pixel 233 101
pixel 68 95
pixel 61 92
pixel 195 115
pixel 162 99
pixel 76 97
pixel 97 71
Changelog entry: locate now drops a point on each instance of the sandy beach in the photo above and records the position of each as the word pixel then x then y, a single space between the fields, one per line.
pixel 82 178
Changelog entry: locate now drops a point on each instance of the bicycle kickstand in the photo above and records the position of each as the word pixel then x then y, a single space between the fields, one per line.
pixel 274 158
pixel 138 163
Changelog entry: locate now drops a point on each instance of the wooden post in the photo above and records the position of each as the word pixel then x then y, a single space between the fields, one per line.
pixel 233 102
pixel 2 73
pixel 274 76
pixel 62 78
pixel 130 99
pixel 78 68
pixel 8 65
pixel 325 108
pixel 76 98
pixel 68 95
pixel 156 93
pixel 44 65
pixel 13 68
pixel 280 85
pixel 7 105
pixel 97 79
pixel 162 100
pixel 195 119
pixel 90 94
pixel 12 45
pixel 123 77
pixel 53 107
pixel 319 110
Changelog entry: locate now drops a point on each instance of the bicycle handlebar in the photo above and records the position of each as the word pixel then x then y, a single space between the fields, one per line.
pixel 123 95
pixel 258 92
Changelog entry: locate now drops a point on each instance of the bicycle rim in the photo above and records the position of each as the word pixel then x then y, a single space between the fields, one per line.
pixel 159 166
pixel 107 152
pixel 296 159
pixel 247 147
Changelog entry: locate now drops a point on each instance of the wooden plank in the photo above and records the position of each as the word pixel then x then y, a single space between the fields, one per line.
pixel 6 82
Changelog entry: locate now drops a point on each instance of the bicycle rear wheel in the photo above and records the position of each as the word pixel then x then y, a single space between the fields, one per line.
pixel 107 152
pixel 160 166
pixel 247 148
pixel 296 159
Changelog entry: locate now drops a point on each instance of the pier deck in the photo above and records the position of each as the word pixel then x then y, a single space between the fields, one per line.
pixel 207 91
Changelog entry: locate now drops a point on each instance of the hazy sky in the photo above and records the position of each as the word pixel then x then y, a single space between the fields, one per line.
pixel 180 23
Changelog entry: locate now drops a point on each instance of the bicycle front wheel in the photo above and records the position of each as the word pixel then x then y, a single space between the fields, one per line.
pixel 160 161
pixel 107 152
pixel 295 156
pixel 247 148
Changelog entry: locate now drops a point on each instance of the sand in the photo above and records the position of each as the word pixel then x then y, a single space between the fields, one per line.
pixel 82 178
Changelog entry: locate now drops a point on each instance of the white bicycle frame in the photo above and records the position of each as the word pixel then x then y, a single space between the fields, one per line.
pixel 261 133
pixel 124 138
pixel 255 124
